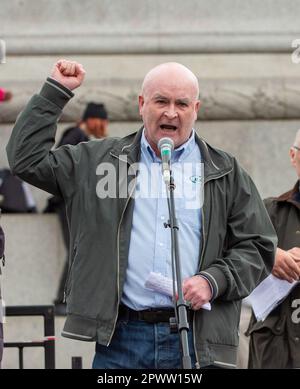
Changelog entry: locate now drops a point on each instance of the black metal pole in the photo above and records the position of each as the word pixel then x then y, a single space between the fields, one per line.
pixel 21 359
pixel 180 305
pixel 76 362
pixel 49 330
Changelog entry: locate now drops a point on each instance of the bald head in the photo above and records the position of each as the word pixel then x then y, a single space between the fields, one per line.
pixel 171 73
pixel 295 154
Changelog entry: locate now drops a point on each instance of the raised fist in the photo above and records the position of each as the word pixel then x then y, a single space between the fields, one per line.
pixel 68 73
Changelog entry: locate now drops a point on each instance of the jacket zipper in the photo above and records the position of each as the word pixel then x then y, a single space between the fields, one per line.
pixel 118 249
pixel 69 274
pixel 201 258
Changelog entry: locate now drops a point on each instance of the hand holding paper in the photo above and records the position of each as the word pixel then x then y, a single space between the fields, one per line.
pixel 164 285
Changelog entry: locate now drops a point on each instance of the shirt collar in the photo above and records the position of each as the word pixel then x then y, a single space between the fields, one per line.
pixel 178 154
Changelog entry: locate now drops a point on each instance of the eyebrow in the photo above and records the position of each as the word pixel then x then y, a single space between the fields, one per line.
pixel 186 101
pixel 183 100
pixel 155 97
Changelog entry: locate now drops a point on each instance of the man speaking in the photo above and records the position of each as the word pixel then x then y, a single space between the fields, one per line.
pixel 116 241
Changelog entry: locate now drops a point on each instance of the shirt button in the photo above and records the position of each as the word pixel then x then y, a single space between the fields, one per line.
pixel 162 218
pixel 278 328
pixel 161 244
pixel 296 339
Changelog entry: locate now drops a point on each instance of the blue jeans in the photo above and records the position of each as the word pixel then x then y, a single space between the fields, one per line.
pixel 141 345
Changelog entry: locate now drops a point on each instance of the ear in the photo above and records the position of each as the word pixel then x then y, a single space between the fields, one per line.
pixel 141 104
pixel 197 107
pixel 293 156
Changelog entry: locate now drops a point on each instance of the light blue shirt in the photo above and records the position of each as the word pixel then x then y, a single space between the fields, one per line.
pixel 150 243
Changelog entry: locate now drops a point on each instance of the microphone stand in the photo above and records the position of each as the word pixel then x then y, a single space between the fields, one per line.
pixel 180 305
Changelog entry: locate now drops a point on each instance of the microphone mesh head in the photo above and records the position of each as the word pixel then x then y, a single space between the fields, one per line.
pixel 165 143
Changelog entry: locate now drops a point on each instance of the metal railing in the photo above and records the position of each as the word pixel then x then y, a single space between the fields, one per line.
pixel 47 342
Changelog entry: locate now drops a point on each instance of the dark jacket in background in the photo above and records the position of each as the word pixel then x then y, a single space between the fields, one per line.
pixel 72 136
pixel 275 342
pixel 13 197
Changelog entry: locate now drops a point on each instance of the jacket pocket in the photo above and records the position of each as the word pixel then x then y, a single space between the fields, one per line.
pixel 274 323
pixel 268 346
pixel 67 288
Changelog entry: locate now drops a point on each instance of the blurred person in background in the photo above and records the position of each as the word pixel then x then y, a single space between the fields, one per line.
pixel 275 341
pixel 15 194
pixel 5 95
pixel 93 125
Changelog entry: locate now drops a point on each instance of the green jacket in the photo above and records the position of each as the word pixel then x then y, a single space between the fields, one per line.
pixel 275 342
pixel 238 238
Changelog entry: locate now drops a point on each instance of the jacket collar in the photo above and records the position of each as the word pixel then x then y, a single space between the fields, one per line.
pixel 129 147
pixel 290 196
pixel 216 162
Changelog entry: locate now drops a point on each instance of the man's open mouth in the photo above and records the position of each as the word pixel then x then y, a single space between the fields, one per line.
pixel 168 127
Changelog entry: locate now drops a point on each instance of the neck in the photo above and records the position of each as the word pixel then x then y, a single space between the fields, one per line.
pixel 153 145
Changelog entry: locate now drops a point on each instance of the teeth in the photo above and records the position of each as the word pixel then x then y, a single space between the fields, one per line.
pixel 168 127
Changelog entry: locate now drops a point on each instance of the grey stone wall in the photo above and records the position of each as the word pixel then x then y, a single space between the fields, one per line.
pixel 148 26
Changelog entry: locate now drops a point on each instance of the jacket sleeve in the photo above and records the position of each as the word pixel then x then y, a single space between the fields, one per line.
pixel 250 243
pixel 29 148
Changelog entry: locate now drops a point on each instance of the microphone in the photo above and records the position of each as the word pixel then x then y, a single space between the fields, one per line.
pixel 166 146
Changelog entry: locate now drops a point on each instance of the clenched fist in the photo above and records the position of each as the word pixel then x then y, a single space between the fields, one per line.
pixel 68 73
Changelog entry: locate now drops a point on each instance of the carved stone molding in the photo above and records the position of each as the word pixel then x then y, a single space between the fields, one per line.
pixel 222 99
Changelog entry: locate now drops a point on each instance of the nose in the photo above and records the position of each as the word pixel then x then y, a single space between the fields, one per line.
pixel 171 112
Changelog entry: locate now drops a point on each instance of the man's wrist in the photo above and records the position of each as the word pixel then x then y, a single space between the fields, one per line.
pixel 209 283
pixel 55 92
pixel 217 280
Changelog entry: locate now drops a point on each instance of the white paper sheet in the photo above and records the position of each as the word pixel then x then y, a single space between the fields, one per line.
pixel 268 294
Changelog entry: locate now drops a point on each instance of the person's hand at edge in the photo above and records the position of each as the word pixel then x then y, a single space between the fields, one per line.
pixel 286 267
